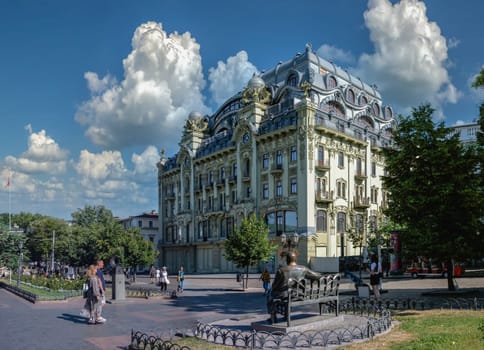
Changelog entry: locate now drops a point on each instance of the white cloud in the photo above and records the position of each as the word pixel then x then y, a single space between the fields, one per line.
pixel 43 155
pixel 145 163
pixel 409 62
pixel 332 53
pixel 162 84
pixel 100 167
pixel 229 78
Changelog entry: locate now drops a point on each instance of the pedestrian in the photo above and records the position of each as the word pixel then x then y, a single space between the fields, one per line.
pixel 374 277
pixel 180 278
pixel 93 297
pixel 380 276
pixel 152 274
pixel 100 275
pixel 164 279
pixel 157 276
pixel 265 277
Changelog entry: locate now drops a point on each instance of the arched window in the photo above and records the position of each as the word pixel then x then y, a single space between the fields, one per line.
pixel 281 221
pixel 337 108
pixel 376 109
pixel 388 113
pixel 350 96
pixel 332 83
pixel 292 80
pixel 363 100
pixel 321 221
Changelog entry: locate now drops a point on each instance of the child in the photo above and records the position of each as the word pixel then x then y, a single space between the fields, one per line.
pixel 266 280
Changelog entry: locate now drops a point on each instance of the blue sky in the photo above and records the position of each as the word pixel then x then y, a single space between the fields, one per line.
pixel 92 90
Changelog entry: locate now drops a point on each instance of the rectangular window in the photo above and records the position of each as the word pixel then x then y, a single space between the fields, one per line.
pixel 293 185
pixel 230 226
pixel 210 178
pixel 321 153
pixel 341 159
pixel 279 157
pixel 279 189
pixel 222 173
pixel 265 191
pixel 265 161
pixel 373 169
pixel 293 154
pixel 321 221
pixel 140 223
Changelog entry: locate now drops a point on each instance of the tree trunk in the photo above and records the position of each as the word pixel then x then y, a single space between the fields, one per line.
pixel 450 275
pixel 246 278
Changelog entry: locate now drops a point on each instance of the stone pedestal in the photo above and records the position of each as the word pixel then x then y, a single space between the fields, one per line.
pixel 119 288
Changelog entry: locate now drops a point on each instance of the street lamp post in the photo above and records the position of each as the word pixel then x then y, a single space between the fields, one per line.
pixel 20 258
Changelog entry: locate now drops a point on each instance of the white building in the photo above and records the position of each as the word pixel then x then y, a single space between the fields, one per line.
pixel 299 146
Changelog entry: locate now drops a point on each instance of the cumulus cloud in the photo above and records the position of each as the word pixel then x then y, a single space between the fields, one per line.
pixel 43 155
pixel 100 166
pixel 409 62
pixel 145 163
pixel 162 84
pixel 332 53
pixel 231 77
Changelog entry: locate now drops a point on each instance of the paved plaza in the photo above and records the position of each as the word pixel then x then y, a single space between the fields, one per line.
pixel 208 298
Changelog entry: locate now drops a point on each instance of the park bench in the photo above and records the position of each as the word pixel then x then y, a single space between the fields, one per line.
pixel 306 292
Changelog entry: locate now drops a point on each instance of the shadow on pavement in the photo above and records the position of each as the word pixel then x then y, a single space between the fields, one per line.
pixel 73 318
pixel 224 303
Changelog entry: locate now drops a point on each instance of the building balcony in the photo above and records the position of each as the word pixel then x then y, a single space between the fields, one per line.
pixel 221 182
pixel 324 197
pixel 276 169
pixel 232 179
pixel 360 175
pixel 361 202
pixel 322 165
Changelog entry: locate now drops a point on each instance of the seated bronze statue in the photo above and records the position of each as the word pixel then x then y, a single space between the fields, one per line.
pixel 290 271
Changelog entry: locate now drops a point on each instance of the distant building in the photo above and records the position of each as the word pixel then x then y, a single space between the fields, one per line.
pixel 467 132
pixel 300 146
pixel 148 224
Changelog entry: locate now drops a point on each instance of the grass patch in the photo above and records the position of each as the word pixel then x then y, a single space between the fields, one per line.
pixel 431 330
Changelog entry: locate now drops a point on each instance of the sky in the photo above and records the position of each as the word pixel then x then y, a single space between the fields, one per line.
pixel 91 91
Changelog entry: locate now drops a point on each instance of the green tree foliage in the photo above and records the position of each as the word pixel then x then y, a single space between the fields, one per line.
pixel 249 244
pixel 9 249
pixel 100 235
pixel 433 181
pixel 40 238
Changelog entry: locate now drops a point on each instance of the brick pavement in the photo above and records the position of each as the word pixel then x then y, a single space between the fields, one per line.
pixel 57 325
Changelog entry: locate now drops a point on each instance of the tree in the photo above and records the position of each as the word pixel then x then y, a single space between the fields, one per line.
pixel 9 249
pixel 433 181
pixel 100 235
pixel 136 250
pixel 249 244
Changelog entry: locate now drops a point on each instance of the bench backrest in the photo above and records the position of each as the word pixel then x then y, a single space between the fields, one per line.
pixel 303 288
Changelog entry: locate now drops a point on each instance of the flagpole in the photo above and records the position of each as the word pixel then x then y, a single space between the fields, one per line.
pixel 9 210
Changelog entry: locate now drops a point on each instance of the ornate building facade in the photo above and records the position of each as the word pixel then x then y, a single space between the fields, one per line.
pixel 300 146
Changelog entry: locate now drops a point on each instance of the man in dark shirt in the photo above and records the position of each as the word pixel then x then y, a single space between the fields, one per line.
pixel 100 275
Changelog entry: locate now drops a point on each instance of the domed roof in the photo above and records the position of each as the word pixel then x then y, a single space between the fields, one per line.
pixel 195 116
pixel 256 82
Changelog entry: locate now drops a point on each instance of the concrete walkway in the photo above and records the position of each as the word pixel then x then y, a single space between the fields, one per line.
pixel 57 325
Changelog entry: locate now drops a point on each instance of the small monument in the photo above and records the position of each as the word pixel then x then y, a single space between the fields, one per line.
pixel 118 279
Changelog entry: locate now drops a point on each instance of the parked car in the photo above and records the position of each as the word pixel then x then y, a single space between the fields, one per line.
pixel 434 270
